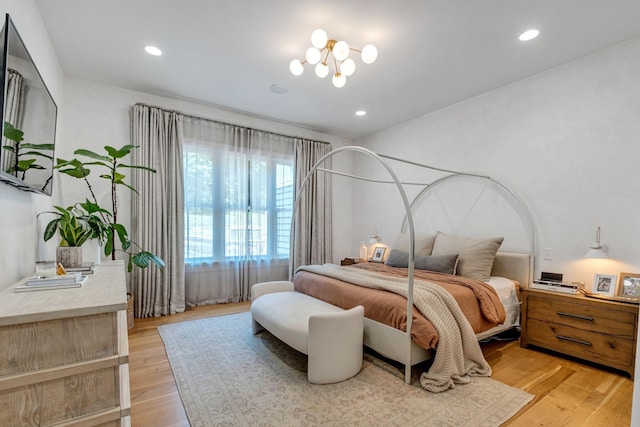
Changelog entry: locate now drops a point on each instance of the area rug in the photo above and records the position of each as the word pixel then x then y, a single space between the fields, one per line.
pixel 227 376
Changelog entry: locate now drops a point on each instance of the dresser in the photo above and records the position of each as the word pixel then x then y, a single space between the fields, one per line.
pixel 64 354
pixel 596 330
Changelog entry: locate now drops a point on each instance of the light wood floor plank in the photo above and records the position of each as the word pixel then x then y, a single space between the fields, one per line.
pixel 568 392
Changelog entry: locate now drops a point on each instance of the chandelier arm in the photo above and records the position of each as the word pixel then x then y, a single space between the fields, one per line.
pixel 326 57
pixel 335 64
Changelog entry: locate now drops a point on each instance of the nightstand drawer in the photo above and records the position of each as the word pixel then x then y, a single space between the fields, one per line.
pixel 582 316
pixel 597 347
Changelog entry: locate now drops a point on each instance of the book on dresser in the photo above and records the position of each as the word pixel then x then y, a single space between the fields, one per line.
pixel 71 280
pixel 85 268
pixel 558 286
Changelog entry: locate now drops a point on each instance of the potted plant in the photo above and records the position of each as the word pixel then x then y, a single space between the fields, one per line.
pixel 112 164
pixel 75 225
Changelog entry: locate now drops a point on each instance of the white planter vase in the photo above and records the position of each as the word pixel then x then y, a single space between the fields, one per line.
pixel 69 256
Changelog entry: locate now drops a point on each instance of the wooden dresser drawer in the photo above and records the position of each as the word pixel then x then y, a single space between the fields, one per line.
pixel 593 346
pixel 600 331
pixel 577 315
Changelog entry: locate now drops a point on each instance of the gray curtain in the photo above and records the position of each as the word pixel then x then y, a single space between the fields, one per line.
pixel 312 228
pixel 157 213
pixel 224 257
pixel 13 108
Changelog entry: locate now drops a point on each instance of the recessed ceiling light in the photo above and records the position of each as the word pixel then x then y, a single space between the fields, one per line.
pixel 152 50
pixel 279 89
pixel 361 113
pixel 529 34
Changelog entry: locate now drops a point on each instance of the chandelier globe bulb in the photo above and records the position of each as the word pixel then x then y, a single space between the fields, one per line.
pixel 319 38
pixel 369 54
pixel 296 67
pixel 322 70
pixel 313 55
pixel 341 50
pixel 348 67
pixel 339 80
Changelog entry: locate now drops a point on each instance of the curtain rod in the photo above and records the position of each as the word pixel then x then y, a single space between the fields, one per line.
pixel 191 116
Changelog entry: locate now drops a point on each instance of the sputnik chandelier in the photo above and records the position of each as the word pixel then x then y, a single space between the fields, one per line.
pixel 323 48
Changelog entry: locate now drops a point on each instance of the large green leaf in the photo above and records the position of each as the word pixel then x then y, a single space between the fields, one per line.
pixel 122 235
pixel 12 133
pixel 143 259
pixel 122 165
pixel 93 155
pixel 46 147
pixel 93 208
pixel 72 168
pixel 118 178
pixel 50 230
pixel 122 152
pixel 36 153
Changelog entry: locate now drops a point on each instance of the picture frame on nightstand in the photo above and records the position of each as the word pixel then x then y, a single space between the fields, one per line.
pixel 629 286
pixel 604 284
pixel 378 254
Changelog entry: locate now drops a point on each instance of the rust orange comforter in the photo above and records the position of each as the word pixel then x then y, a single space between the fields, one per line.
pixel 478 300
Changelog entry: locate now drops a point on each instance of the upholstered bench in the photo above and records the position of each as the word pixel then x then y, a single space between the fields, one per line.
pixel 330 336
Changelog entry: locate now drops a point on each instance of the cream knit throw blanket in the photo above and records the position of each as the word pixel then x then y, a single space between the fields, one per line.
pixel 458 353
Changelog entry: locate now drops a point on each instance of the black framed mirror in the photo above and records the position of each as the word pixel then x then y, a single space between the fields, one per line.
pixel 28 116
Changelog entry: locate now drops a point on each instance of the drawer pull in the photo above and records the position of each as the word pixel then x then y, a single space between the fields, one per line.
pixel 577 341
pixel 575 316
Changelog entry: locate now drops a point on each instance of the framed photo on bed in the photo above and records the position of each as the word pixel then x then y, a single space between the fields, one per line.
pixel 604 284
pixel 378 254
pixel 629 285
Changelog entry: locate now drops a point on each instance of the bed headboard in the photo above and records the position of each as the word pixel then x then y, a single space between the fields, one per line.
pixel 479 207
pixel 513 265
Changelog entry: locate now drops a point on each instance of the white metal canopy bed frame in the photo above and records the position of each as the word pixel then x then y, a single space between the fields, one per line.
pixel 394 343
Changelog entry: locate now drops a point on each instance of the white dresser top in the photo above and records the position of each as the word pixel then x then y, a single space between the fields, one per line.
pixel 103 292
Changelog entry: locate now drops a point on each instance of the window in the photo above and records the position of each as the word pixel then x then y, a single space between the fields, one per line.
pixel 237 205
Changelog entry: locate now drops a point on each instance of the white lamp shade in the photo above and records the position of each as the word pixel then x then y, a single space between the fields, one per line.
pixel 339 80
pixel 597 250
pixel 322 70
pixel 313 55
pixel 296 67
pixel 319 38
pixel 348 67
pixel 596 253
pixel 369 54
pixel 341 50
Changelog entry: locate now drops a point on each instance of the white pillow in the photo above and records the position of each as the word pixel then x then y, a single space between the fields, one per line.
pixel 476 255
pixel 424 243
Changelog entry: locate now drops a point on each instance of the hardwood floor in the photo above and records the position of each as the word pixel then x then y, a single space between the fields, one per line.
pixel 568 393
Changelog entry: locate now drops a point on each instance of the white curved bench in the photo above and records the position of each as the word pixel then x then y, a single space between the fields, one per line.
pixel 329 335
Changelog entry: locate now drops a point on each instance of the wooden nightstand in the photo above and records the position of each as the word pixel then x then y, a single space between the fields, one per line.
pixel 596 330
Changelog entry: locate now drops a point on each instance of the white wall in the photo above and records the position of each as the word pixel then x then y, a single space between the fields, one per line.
pixel 567 141
pixel 20 237
pixel 99 115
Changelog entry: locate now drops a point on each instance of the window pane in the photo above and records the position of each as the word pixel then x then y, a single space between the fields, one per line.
pixel 235 222
pixel 283 208
pixel 198 186
pixel 236 206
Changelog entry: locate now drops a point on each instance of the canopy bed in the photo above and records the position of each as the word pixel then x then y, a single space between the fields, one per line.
pixel 477 260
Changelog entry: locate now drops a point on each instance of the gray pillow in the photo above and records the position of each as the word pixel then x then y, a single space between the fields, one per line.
pixel 476 255
pixel 438 263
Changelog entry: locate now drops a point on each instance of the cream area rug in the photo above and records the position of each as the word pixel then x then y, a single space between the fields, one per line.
pixel 227 376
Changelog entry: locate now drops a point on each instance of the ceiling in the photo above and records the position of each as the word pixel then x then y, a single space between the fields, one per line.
pixel 431 53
